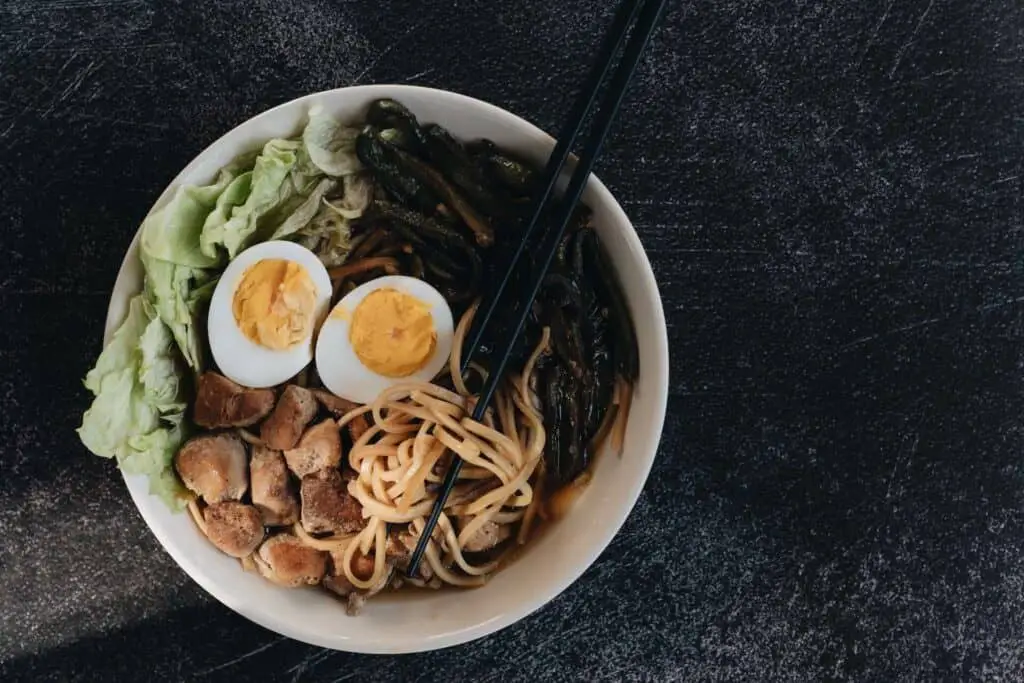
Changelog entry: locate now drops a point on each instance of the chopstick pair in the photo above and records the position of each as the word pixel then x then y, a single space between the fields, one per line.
pixel 645 14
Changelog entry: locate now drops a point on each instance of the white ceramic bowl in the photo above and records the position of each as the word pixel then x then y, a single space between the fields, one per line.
pixel 427 620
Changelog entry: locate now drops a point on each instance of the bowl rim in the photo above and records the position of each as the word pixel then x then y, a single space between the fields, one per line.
pixel 658 386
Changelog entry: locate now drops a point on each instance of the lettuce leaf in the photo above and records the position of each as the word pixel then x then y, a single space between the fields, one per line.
pixel 357 197
pixel 172 233
pixel 328 234
pixel 138 409
pixel 236 194
pixel 159 366
pixel 150 453
pixel 115 356
pixel 281 178
pixel 331 146
pixel 172 259
pixel 169 287
pixel 282 195
pixel 301 217
pixel 115 415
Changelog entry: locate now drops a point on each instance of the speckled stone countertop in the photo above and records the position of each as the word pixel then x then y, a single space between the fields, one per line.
pixel 830 194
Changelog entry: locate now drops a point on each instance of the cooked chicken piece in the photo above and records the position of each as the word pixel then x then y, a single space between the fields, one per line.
pixel 338 407
pixel 327 505
pixel 291 562
pixel 486 537
pixel 362 566
pixel 294 410
pixel 272 493
pixel 358 426
pixel 318 449
pixel 335 404
pixel 235 528
pixel 213 466
pixel 222 403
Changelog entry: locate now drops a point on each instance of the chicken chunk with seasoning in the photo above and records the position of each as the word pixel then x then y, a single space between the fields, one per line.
pixel 272 492
pixel 327 505
pixel 338 407
pixel 290 562
pixel 294 411
pixel 334 404
pixel 235 528
pixel 213 466
pixel 318 449
pixel 337 582
pixel 222 403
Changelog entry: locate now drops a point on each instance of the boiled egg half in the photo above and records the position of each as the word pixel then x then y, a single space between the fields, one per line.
pixel 265 311
pixel 387 331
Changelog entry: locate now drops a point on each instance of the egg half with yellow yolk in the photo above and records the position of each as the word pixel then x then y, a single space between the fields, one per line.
pixel 388 331
pixel 265 311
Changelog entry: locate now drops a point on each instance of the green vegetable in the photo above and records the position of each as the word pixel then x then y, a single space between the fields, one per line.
pixel 172 233
pixel 306 211
pixel 158 367
pixel 285 189
pixel 357 197
pixel 137 415
pixel 328 233
pixel 121 346
pixel 273 191
pixel 331 146
pixel 173 262
pixel 236 194
pixel 170 289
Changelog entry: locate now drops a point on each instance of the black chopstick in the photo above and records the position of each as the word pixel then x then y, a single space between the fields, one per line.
pixel 624 16
pixel 649 14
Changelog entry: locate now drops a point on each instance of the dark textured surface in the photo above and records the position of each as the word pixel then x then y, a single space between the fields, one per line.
pixel 830 196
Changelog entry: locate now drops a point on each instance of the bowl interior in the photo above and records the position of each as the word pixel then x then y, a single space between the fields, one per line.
pixel 425 620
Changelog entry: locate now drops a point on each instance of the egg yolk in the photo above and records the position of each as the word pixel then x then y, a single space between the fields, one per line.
pixel 392 333
pixel 275 303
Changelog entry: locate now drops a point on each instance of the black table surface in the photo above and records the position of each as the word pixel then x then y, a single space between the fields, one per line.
pixel 830 196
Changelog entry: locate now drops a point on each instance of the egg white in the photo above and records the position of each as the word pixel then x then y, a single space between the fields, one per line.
pixel 239 358
pixel 340 369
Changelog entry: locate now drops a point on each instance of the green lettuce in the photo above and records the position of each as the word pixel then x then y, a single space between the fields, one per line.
pixel 289 179
pixel 236 194
pixel 173 261
pixel 121 346
pixel 305 212
pixel 328 233
pixel 172 233
pixel 170 287
pixel 281 179
pixel 331 146
pixel 356 199
pixel 159 365
pixel 137 414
